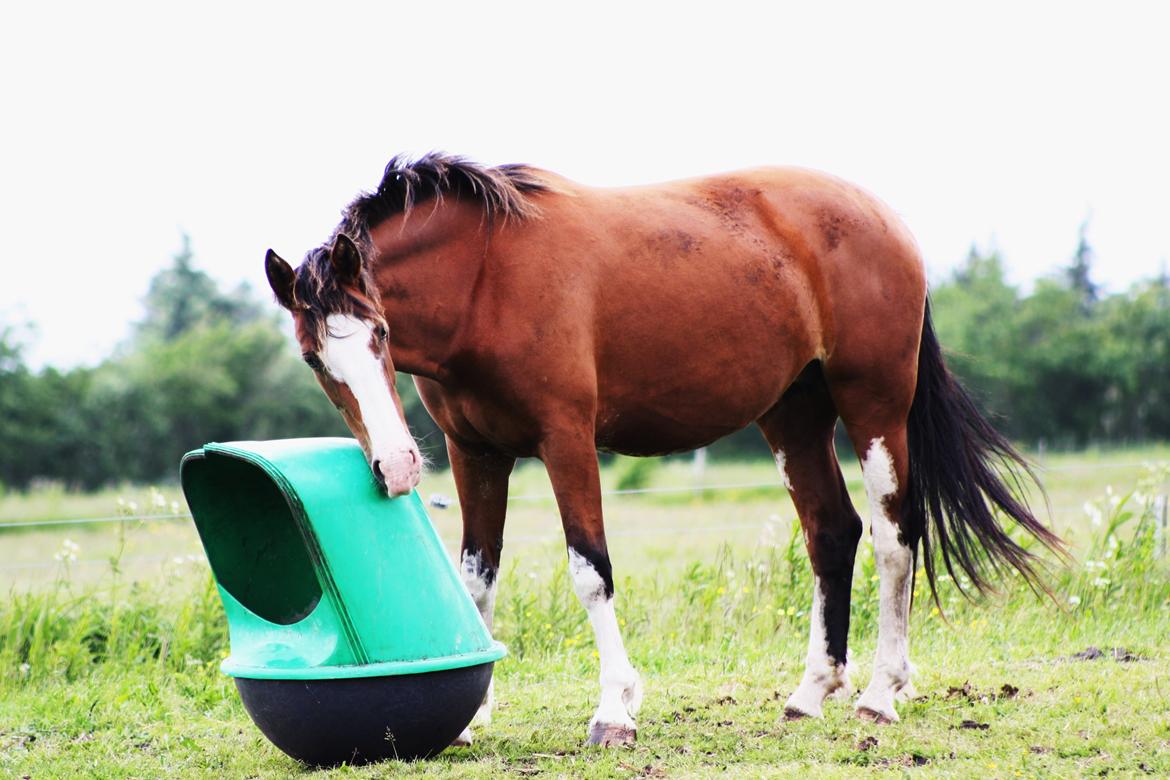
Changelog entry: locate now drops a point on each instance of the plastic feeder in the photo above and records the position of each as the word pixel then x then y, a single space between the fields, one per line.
pixel 352 636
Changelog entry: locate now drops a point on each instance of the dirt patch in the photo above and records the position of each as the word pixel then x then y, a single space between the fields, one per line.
pixel 1095 653
pixel 972 695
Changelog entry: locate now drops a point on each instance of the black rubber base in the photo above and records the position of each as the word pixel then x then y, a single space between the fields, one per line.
pixel 327 722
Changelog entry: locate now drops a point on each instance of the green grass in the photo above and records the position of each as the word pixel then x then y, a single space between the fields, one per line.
pixel 111 669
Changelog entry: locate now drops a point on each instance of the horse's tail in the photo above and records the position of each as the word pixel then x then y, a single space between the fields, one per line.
pixel 962 472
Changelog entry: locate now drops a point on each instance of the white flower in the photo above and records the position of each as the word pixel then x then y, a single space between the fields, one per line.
pixel 1100 582
pixel 1074 600
pixel 25 669
pixel 174 507
pixel 1093 512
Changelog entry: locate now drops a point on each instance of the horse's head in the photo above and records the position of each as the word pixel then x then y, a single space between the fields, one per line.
pixel 343 338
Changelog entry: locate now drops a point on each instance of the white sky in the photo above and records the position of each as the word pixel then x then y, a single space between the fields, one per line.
pixel 250 125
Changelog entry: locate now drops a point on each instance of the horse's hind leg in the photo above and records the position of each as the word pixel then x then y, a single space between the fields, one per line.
pixel 875 407
pixel 799 430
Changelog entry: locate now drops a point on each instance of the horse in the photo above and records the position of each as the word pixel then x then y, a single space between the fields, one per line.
pixel 543 318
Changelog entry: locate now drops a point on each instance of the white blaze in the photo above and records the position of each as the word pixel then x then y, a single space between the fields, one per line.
pixel 347 357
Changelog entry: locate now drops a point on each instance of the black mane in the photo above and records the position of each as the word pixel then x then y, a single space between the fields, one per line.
pixel 500 190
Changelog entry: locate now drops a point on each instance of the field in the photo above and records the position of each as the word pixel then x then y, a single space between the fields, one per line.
pixel 111 637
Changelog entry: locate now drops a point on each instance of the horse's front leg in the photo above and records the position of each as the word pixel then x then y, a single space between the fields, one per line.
pixel 481 479
pixel 571 460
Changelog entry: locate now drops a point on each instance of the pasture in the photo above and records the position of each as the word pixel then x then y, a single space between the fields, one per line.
pixel 110 643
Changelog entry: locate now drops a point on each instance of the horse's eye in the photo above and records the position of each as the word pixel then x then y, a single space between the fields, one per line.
pixel 313 361
pixel 380 333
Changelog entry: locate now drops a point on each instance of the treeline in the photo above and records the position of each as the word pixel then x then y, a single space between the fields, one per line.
pixel 204 364
pixel 1063 365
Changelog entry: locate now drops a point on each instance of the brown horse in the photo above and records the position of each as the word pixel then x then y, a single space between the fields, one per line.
pixel 542 318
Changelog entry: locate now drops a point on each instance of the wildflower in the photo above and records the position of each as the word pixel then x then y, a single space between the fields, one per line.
pixel 157 499
pixel 720 590
pixel 1074 600
pixel 1100 582
pixel 1094 513
pixel 68 551
pixel 174 507
pixel 25 669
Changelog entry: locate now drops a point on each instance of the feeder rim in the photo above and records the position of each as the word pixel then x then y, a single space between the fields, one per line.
pixel 381 669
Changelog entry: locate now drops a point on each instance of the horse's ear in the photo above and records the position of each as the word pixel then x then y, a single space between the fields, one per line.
pixel 345 259
pixel 281 278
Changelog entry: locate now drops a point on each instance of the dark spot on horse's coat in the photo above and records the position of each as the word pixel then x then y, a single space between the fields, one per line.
pixel 668 244
pixel 833 228
pixel 396 292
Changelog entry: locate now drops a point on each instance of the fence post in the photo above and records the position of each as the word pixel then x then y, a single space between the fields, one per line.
pixel 1160 519
pixel 699 466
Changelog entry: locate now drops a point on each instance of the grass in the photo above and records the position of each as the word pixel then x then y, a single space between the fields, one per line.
pixel 110 669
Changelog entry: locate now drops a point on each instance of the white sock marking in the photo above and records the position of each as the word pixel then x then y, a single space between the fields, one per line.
pixel 621 689
pixel 822 676
pixel 780 461
pixel 483 593
pixel 891 667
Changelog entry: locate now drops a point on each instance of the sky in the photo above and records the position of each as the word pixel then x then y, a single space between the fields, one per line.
pixel 249 125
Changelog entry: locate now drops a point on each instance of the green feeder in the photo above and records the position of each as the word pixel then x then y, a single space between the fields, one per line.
pixel 352 636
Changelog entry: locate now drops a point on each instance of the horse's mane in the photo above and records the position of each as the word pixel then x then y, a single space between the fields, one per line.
pixel 501 192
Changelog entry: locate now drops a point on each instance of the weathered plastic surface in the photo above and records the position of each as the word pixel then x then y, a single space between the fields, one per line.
pixel 321 575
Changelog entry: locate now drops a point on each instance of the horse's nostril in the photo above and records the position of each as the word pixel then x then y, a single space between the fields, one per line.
pixel 413 457
pixel 376 467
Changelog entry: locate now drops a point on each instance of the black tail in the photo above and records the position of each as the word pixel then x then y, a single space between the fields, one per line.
pixel 956 484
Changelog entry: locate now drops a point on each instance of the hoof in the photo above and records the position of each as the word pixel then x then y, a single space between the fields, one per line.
pixel 611 735
pixel 873 716
pixel 791 713
pixel 463 740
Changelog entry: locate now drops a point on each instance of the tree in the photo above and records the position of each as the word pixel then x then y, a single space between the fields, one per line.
pixel 1078 273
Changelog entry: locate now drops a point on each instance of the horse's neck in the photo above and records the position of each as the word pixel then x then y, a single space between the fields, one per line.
pixel 426 266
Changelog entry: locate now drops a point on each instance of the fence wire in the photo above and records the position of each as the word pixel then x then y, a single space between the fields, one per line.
pixel 442 502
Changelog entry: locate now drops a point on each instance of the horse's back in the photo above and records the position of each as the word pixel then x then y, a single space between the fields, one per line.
pixel 688 308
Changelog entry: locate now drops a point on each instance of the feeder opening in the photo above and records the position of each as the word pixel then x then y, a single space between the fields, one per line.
pixel 253 542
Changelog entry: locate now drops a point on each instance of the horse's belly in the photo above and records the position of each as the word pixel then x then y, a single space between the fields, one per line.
pixel 659 416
